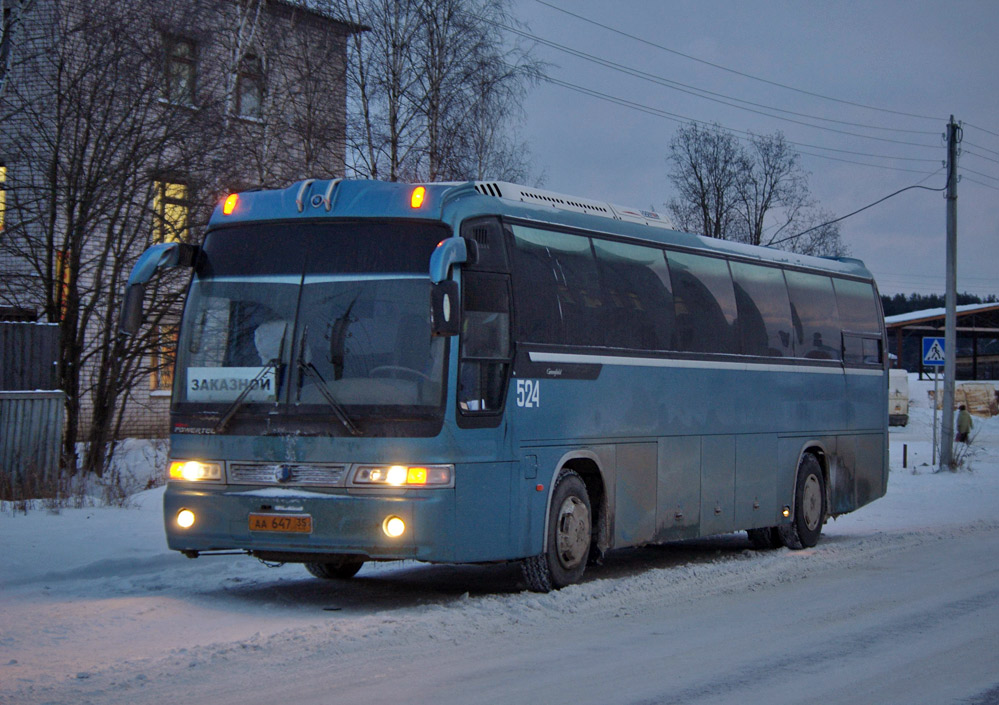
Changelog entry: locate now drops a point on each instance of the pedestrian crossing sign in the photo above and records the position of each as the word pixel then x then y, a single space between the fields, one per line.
pixel 933 352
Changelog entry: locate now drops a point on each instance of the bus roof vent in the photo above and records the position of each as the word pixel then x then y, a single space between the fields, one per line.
pixel 561 201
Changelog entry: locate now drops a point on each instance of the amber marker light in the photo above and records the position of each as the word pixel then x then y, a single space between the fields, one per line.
pixel 416 476
pixel 416 200
pixel 230 203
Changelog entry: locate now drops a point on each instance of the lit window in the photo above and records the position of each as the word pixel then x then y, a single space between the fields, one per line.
pixel 163 358
pixel 63 272
pixel 171 206
pixel 250 88
pixel 181 62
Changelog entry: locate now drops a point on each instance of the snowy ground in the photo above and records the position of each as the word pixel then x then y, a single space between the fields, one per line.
pixel 898 603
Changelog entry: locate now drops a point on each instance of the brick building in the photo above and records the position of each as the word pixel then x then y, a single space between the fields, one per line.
pixel 122 123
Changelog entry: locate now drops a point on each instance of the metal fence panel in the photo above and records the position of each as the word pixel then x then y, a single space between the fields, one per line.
pixel 31 427
pixel 28 352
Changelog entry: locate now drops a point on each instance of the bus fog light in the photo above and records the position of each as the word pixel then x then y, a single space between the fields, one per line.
pixel 185 518
pixel 394 527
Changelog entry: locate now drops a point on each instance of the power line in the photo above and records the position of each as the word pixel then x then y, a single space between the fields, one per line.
pixel 724 98
pixel 965 169
pixel 978 146
pixel 674 117
pixel 734 71
pixel 980 156
pixel 965 124
pixel 854 161
pixel 859 210
pixel 975 181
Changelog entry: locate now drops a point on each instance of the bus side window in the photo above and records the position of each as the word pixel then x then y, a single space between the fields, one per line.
pixel 485 342
pixel 706 310
pixel 861 321
pixel 815 316
pixel 764 311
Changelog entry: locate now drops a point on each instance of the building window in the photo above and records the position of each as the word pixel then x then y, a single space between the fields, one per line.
pixel 181 65
pixel 3 195
pixel 162 360
pixel 250 88
pixel 64 274
pixel 171 207
pixel 6 28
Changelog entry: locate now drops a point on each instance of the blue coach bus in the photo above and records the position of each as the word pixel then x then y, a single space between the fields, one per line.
pixel 485 372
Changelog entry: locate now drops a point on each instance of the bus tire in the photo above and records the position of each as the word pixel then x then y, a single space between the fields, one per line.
pixel 570 530
pixel 765 539
pixel 339 569
pixel 809 506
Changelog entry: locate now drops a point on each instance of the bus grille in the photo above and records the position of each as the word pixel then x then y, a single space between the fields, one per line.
pixel 287 474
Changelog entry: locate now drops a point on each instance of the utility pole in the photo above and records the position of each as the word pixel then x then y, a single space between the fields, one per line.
pixel 954 135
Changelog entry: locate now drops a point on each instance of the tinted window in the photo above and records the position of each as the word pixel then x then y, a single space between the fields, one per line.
pixel 814 316
pixel 764 311
pixel 485 342
pixel 858 309
pixel 343 247
pixel 638 311
pixel 558 294
pixel 705 304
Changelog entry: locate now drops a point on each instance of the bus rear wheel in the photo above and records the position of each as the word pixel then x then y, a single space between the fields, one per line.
pixel 809 506
pixel 570 529
pixel 341 568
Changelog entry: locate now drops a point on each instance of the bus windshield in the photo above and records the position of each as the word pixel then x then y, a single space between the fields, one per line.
pixel 316 320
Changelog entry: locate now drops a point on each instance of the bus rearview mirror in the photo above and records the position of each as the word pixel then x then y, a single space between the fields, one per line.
pixel 445 312
pixel 131 309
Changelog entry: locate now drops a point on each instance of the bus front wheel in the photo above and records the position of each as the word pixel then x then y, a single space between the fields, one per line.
pixel 809 506
pixel 342 568
pixel 568 539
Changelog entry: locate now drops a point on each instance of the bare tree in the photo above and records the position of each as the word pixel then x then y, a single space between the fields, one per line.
pixel 90 131
pixel 707 167
pixel 757 194
pixel 815 235
pixel 109 146
pixel 286 106
pixel 384 131
pixel 434 89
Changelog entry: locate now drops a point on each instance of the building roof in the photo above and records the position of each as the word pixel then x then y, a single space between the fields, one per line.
pixel 929 315
pixel 322 11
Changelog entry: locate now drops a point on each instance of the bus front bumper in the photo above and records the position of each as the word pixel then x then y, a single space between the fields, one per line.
pixel 297 523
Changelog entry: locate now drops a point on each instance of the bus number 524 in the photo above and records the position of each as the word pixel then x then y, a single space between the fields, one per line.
pixel 528 393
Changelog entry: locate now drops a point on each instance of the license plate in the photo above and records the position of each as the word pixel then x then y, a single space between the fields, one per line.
pixel 286 523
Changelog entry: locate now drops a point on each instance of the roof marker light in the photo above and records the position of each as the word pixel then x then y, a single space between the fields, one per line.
pixel 230 204
pixel 416 200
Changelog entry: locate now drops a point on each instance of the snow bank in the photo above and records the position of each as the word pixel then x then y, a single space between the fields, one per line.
pixel 93 595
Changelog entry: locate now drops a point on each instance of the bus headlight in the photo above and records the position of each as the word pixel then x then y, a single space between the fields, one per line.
pixel 403 476
pixel 194 471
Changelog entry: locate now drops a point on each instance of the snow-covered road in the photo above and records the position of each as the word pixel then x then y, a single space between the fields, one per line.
pixel 899 603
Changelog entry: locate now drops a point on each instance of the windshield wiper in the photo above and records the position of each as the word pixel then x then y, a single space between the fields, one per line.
pixel 310 369
pixel 338 340
pixel 238 401
pixel 272 364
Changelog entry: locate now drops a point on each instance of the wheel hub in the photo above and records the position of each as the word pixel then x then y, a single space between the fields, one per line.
pixel 573 535
pixel 811 503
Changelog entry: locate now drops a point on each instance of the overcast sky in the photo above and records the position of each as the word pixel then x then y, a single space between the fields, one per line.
pixel 916 61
